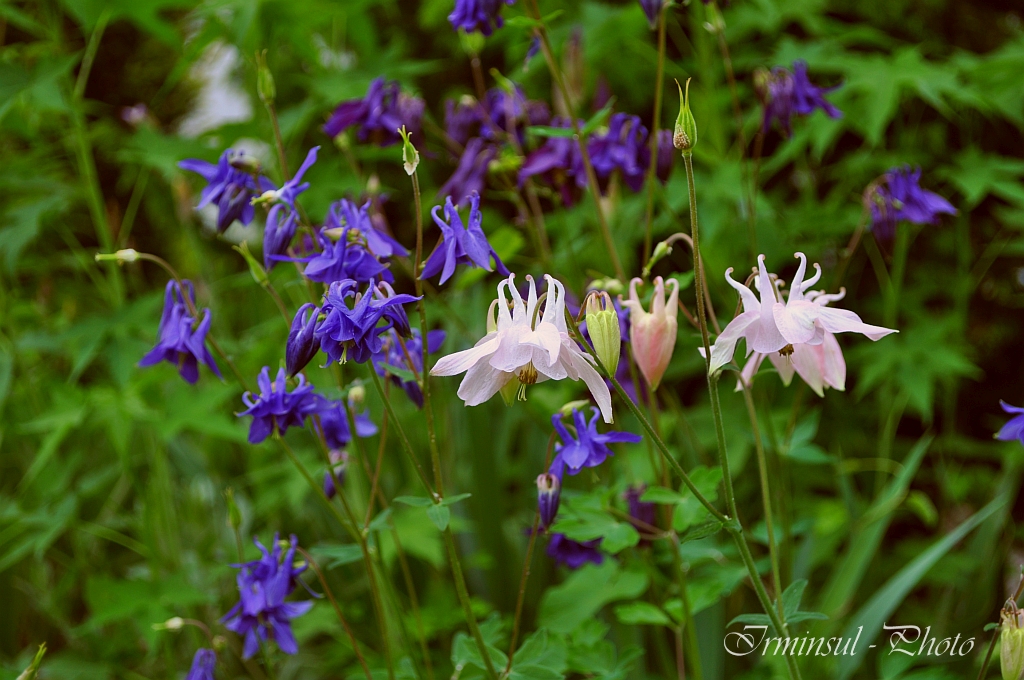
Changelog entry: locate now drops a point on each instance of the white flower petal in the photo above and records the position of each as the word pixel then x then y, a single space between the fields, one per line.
pixel 481 383
pixel 459 362
pixel 845 321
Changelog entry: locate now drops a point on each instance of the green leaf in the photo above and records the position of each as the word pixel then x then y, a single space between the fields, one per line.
pixel 337 554
pixel 415 501
pixel 439 515
pixel 877 610
pixel 641 613
pixel 690 511
pixel 548 131
pixel 541 657
pixel 584 519
pixel 451 500
pixel 585 592
pixel 598 119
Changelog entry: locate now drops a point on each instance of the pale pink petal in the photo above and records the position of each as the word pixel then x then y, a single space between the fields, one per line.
pixel 845 321
pixel 460 362
pixel 749 370
pixel 658 299
pixel 513 354
pixel 590 377
pixel 795 320
pixel 750 303
pixel 504 316
pixel 672 306
pixel 481 383
pixel 725 346
pixel 808 362
pixel 834 372
pixel 547 338
pixel 783 366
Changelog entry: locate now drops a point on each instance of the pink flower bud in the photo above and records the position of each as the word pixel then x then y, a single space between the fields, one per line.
pixel 652 335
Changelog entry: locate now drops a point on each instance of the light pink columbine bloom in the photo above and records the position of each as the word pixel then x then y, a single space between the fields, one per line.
pixel 525 346
pixel 796 336
pixel 652 335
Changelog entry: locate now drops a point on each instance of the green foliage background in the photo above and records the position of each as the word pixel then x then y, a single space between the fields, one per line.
pixel 112 478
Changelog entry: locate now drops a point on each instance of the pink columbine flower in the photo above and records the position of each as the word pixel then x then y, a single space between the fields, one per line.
pixel 652 335
pixel 796 336
pixel 526 346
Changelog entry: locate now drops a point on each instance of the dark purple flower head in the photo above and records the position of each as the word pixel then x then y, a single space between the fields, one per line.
pixel 335 477
pixel 275 408
pixel 262 613
pixel 283 219
pixel 230 188
pixel 638 509
pixel 462 119
pixel 345 214
pixel 355 322
pixel 471 173
pixel 406 355
pixel 334 423
pixel 203 664
pixel 180 341
pixel 652 9
pixel 900 197
pixel 588 448
pixel 621 148
pixel 478 15
pixel 379 114
pixel 460 244
pixel 559 161
pixel 573 554
pixel 346 258
pixel 302 345
pixel 789 93
pixel 1014 428
pixel 549 493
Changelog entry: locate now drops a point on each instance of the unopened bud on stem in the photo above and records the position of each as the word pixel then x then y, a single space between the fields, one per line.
pixel 685 136
pixel 603 327
pixel 265 87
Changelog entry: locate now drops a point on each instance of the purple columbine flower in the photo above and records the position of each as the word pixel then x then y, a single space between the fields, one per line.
pixel 460 244
pixel 302 345
pixel 379 114
pixel 346 258
pixel 408 359
pixel 1014 428
pixel 262 613
pixel 559 160
pixel 793 92
pixel 283 218
pixel 180 341
pixel 471 173
pixel 666 154
pixel 652 9
pixel 345 214
pixel 588 448
pixel 549 493
pixel 203 664
pixel 334 423
pixel 462 118
pixel 478 15
pixel 572 553
pixel 901 197
pixel 621 148
pixel 353 330
pixel 505 109
pixel 275 408
pixel 229 187
pixel 334 478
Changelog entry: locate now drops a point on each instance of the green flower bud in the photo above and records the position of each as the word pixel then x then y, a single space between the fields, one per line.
pixel 356 396
pixel 255 268
pixel 32 671
pixel 1011 643
pixel 128 255
pixel 173 624
pixel 663 249
pixel 685 136
pixel 603 327
pixel 571 406
pixel 613 286
pixel 410 156
pixel 265 87
pixel 472 43
pixel 234 514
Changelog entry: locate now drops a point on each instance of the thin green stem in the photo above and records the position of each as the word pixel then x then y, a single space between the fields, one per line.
pixel 467 606
pixel 655 122
pixel 522 591
pixel 278 141
pixel 595 189
pixel 402 438
pixel 132 210
pixel 766 500
pixel 691 630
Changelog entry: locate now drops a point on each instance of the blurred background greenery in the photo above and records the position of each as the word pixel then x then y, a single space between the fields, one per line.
pixel 112 478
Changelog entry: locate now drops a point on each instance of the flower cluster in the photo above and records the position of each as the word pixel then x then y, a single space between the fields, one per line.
pixel 355 321
pixel 378 115
pixel 786 93
pixel 232 183
pixel 181 340
pixel 478 15
pixel 275 409
pixel 262 613
pixel 460 244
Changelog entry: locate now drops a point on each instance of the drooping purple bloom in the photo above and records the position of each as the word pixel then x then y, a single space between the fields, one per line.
pixel 334 478
pixel 302 345
pixel 589 448
pixel 343 259
pixel 901 197
pixel 652 9
pixel 462 118
pixel 460 244
pixel 792 92
pixel 262 613
pixel 471 173
pixel 639 510
pixel 549 493
pixel 179 340
pixel 666 154
pixel 478 15
pixel 353 330
pixel 507 111
pixel 1014 428
pixel 559 161
pixel 283 218
pixel 379 114
pixel 275 408
pixel 406 355
pixel 621 148
pixel 335 427
pixel 203 664
pixel 344 214
pixel 572 553
pixel 230 188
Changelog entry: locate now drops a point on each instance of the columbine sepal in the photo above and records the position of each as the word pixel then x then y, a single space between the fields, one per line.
pixel 549 494
pixel 603 327
pixel 1011 642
